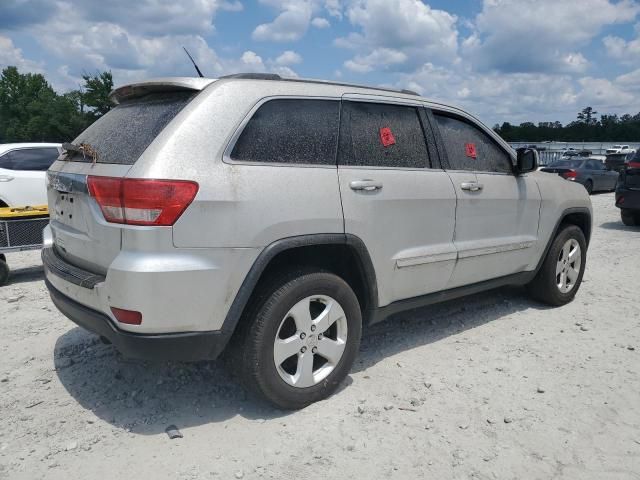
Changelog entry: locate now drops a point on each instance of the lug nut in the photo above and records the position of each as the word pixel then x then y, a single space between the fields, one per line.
pixel 313 328
pixel 303 349
pixel 314 349
pixel 302 335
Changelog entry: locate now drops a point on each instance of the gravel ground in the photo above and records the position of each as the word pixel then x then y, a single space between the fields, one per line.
pixel 495 386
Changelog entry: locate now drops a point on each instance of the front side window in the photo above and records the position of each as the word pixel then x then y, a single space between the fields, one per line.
pixel 382 135
pixel 469 148
pixel 32 158
pixel 298 131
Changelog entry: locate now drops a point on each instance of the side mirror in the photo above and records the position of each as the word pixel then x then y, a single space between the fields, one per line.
pixel 527 160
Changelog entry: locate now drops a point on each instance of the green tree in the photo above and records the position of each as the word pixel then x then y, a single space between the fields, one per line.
pixel 96 93
pixel 587 115
pixel 30 110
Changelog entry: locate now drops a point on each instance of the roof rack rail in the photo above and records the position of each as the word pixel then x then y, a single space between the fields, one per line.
pixel 254 76
pixel 275 76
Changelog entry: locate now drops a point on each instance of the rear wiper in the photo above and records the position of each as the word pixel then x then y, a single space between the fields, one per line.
pixel 84 148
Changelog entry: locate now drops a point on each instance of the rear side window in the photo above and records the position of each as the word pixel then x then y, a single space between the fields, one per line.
pixel 594 165
pixel 382 135
pixel 469 148
pixel 123 134
pixel 291 131
pixel 37 159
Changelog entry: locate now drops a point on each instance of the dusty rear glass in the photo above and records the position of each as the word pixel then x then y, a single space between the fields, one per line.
pixel 127 130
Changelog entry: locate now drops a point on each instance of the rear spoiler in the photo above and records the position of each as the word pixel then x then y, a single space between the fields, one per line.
pixel 169 84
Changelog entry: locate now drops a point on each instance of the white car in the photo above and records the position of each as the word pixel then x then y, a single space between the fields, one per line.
pixel 619 149
pixel 23 169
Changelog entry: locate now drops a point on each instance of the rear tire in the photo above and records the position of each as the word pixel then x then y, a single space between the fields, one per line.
pixel 285 335
pixel 630 219
pixel 589 186
pixel 561 273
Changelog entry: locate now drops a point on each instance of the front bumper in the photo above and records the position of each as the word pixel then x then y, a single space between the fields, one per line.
pixel 186 347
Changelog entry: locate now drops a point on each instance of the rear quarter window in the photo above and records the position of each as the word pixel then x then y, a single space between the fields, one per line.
pixel 295 131
pixel 124 133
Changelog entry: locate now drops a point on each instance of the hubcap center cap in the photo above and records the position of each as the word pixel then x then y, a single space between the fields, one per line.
pixel 312 340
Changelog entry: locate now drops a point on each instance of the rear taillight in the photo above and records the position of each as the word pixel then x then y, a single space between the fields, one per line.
pixel 570 175
pixel 633 165
pixel 138 201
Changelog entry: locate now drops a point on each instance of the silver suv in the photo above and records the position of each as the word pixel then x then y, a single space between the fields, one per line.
pixel 281 216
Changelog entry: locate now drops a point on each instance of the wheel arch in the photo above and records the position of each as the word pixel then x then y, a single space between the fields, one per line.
pixel 578 216
pixel 343 254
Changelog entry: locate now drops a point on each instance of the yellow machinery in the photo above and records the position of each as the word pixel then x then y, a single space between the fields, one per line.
pixel 20 229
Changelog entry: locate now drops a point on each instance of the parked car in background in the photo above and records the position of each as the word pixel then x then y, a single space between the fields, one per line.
pixel 619 149
pixel 281 216
pixel 23 172
pixel 628 192
pixel 593 174
pixel 618 161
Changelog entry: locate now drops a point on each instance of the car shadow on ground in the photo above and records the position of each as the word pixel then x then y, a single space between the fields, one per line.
pixel 619 226
pixel 25 275
pixel 146 397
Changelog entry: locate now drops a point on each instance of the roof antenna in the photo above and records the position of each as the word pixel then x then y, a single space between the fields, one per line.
pixel 194 63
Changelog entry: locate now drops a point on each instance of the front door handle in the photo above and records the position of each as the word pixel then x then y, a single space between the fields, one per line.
pixel 471 186
pixel 367 185
pixel 5 178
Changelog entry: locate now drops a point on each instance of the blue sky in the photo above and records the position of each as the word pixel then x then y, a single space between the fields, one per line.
pixel 505 60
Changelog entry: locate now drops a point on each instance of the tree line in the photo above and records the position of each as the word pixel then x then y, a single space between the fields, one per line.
pixel 32 111
pixel 586 127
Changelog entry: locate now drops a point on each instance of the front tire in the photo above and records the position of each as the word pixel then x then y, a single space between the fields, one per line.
pixel 561 273
pixel 302 340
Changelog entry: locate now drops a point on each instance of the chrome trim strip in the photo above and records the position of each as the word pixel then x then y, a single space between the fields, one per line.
pixel 67 182
pixel 425 259
pixel 509 247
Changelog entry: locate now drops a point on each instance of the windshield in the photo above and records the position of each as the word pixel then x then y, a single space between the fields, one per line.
pixel 567 164
pixel 123 134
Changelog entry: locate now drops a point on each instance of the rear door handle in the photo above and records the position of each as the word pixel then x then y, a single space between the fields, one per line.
pixel 5 178
pixel 471 186
pixel 367 185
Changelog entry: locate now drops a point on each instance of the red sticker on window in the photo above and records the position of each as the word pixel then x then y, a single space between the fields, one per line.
pixel 386 137
pixel 470 149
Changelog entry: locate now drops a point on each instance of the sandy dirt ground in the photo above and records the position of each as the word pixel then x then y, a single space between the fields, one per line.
pixel 492 386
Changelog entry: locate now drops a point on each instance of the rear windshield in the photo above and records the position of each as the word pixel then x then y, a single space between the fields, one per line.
pixel 128 129
pixel 567 164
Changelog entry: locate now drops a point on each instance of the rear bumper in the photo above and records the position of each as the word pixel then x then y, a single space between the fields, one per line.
pixel 186 347
pixel 627 199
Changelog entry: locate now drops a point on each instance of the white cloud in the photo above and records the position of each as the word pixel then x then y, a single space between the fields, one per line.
pixel 630 80
pixel 320 22
pixel 540 35
pixel 396 31
pixel 378 58
pixel 289 26
pixel 10 55
pixel 603 93
pixel 288 57
pixel 626 52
